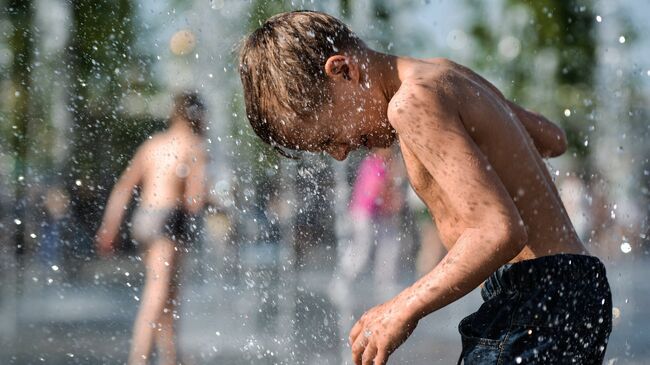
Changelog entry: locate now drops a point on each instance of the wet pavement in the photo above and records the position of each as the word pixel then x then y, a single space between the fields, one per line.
pixel 263 314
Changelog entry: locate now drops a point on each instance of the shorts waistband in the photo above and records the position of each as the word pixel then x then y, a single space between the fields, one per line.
pixel 542 272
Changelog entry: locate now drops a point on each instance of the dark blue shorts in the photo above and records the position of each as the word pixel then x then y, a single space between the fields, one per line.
pixel 550 310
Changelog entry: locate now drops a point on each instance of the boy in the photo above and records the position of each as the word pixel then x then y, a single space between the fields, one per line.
pixel 170 170
pixel 473 157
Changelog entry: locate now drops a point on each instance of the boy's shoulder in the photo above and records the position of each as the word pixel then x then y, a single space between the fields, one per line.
pixel 152 143
pixel 429 87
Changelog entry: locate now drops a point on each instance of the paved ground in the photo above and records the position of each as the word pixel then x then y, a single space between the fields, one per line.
pixel 263 316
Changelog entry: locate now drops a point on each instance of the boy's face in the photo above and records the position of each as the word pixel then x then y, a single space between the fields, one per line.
pixel 355 117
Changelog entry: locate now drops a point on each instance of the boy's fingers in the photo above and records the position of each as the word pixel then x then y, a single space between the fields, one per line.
pixel 381 358
pixel 358 348
pixel 369 354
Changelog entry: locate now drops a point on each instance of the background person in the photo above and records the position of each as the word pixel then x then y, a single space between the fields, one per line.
pixel 170 170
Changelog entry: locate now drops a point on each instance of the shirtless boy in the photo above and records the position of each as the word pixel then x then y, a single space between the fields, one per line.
pixel 473 157
pixel 170 169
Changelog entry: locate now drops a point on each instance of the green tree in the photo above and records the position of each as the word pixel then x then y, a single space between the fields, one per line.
pixel 104 65
pixel 549 31
pixel 21 43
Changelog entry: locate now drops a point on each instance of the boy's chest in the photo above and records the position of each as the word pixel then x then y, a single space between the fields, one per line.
pixel 447 221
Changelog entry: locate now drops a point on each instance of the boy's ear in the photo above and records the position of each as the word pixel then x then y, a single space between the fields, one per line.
pixel 340 67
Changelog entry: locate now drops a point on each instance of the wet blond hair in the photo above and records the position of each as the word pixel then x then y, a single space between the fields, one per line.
pixel 281 66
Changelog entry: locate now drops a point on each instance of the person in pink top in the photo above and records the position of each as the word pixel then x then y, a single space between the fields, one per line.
pixel 368 186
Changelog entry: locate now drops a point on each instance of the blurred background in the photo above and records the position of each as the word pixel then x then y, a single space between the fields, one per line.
pixel 83 83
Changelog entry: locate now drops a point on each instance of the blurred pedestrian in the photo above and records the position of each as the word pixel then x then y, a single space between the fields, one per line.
pixel 56 203
pixel 170 170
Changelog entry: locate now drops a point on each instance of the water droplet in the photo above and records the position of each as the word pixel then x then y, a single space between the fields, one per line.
pixel 621 39
pixel 55 268
pixel 599 18
pixel 567 112
pixel 217 4
pixel 626 247
pixel 78 182
pixel 18 221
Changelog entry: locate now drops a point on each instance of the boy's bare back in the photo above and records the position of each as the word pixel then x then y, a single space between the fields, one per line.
pixel 169 162
pixel 469 157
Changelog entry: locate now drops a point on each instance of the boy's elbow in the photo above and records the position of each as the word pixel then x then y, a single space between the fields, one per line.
pixel 512 238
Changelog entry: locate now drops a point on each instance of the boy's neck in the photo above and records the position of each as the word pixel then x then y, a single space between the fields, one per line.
pixel 382 69
pixel 179 125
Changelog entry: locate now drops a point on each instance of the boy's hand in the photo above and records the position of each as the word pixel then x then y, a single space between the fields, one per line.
pixel 379 332
pixel 104 242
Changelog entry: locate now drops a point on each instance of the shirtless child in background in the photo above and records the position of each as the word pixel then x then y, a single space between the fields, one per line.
pixel 170 169
pixel 473 157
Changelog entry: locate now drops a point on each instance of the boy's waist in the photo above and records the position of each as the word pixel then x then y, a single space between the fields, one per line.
pixel 562 271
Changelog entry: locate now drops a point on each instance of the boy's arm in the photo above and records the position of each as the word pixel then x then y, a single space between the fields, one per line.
pixel 117 202
pixel 492 229
pixel 550 140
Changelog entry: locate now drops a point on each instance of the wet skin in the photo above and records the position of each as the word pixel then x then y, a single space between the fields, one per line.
pixel 472 156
